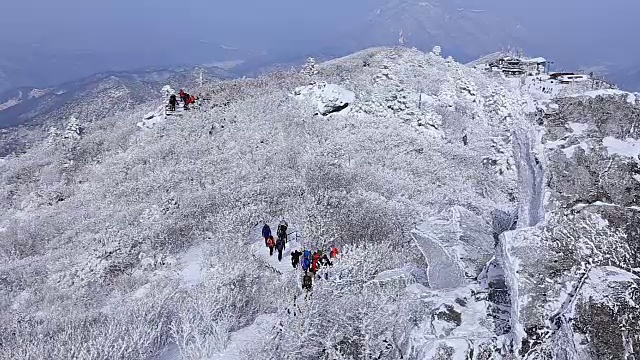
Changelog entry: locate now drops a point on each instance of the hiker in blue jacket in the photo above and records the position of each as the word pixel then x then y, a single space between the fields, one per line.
pixel 306 260
pixel 266 232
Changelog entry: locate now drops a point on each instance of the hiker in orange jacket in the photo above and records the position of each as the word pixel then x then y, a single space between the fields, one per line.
pixel 271 244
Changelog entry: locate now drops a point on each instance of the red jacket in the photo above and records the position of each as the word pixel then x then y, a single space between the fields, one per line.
pixel 334 252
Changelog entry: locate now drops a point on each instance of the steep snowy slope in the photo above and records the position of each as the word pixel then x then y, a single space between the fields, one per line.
pixel 126 242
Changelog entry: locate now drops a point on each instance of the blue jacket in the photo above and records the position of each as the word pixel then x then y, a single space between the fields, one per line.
pixel 266 231
pixel 306 263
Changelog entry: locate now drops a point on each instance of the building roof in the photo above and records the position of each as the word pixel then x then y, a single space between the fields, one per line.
pixel 538 60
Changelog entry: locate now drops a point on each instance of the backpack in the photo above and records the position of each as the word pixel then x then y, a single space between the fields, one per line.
pixel 307 282
pixel 270 242
pixel 306 263
pixel 307 254
pixel 282 230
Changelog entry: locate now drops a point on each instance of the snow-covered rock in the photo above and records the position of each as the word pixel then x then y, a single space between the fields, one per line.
pixel 571 278
pixel 151 119
pixel 329 98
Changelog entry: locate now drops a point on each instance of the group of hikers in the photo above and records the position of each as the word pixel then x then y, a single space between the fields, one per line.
pixel 184 97
pixel 309 262
pixel 278 244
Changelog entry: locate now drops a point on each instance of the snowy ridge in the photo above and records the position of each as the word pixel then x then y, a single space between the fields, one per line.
pixel 142 236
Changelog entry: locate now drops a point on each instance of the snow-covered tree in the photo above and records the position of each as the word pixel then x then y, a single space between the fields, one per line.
pixel 402 41
pixel 310 67
pixel 437 50
pixel 73 129
pixel 167 90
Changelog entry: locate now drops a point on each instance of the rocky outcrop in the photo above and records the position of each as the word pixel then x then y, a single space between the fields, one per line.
pixel 574 278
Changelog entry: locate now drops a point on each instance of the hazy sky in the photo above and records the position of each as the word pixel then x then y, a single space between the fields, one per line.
pixel 89 36
pixel 162 25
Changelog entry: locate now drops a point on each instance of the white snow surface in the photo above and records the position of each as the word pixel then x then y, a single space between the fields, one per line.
pixel 192 266
pixel 578 128
pixel 631 97
pixel 260 251
pixel 153 118
pixel 570 150
pixel 250 338
pixel 537 60
pixel 627 148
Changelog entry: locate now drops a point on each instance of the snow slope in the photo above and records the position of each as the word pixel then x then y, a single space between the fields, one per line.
pixel 444 187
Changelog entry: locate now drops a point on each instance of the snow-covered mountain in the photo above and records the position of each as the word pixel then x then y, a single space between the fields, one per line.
pixel 467 29
pixel 27 113
pixel 477 217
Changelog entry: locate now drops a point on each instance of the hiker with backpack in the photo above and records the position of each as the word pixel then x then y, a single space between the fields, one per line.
pixel 280 245
pixel 307 281
pixel 172 102
pixel 282 230
pixel 315 262
pixel 266 232
pixel 306 260
pixel 295 258
pixel 271 243
pixel 334 252
pixel 186 100
pixel 324 261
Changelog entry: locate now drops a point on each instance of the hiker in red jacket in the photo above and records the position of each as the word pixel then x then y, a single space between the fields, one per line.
pixel 315 263
pixel 271 244
pixel 186 100
pixel 334 252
